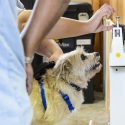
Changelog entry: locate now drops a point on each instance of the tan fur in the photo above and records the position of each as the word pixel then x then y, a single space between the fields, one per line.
pixel 69 68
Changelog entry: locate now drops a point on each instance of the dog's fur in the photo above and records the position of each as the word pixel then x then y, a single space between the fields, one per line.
pixel 76 67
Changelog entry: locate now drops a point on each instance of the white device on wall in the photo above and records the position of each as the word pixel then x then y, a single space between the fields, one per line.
pixel 117 77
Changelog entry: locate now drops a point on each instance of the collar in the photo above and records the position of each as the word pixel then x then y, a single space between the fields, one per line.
pixel 75 86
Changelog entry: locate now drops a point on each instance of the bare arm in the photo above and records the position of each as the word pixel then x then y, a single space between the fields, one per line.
pixel 66 27
pixel 50 49
pixel 45 15
pixel 70 28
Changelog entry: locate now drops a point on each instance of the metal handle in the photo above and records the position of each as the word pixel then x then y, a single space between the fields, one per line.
pixel 117 20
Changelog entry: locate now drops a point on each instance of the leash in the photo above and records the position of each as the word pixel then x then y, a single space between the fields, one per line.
pixel 64 96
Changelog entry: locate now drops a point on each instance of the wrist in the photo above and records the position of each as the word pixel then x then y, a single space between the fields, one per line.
pixel 29 60
pixel 90 25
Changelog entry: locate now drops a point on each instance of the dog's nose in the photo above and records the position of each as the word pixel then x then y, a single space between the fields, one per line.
pixel 97 54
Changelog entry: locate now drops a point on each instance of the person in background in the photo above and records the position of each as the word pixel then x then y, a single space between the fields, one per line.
pixel 65 28
pixel 15 68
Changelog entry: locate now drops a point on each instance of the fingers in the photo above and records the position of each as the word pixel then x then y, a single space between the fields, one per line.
pixel 109 7
pixel 54 57
pixel 107 11
pixel 29 80
pixel 104 28
pixel 29 83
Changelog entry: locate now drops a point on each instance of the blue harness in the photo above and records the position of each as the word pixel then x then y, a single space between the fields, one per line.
pixel 43 94
pixel 64 96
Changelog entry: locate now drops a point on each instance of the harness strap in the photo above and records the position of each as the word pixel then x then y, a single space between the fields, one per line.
pixel 64 96
pixel 43 94
pixel 67 100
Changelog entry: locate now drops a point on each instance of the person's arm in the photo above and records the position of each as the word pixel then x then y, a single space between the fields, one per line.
pixel 70 28
pixel 45 15
pixel 50 49
pixel 66 27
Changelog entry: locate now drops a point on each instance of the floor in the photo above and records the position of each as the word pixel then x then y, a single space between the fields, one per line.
pixel 96 111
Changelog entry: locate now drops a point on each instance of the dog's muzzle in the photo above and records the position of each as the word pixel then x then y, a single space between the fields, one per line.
pixel 96 66
pixel 97 56
pixel 96 62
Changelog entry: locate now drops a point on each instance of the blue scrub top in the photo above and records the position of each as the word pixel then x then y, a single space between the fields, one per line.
pixel 15 107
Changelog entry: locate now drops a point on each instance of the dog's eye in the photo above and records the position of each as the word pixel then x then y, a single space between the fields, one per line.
pixel 83 57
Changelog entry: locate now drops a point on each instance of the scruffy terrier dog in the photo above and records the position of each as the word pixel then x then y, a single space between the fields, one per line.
pixel 62 86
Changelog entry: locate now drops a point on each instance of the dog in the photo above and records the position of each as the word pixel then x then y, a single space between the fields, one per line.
pixel 67 79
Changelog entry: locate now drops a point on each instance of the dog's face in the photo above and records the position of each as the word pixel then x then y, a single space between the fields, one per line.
pixel 78 67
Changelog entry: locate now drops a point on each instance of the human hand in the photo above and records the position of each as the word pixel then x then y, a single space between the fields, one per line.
pixel 54 57
pixel 96 22
pixel 29 80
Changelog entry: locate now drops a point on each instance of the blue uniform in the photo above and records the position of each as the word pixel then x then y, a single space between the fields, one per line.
pixel 15 107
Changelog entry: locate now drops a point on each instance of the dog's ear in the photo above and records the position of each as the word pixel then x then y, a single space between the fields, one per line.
pixel 62 67
pixel 80 48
